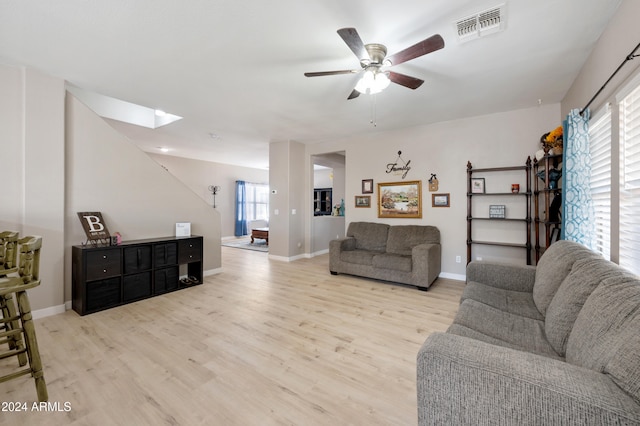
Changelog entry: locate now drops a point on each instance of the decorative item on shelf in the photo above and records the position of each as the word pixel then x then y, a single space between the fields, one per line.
pixel 552 141
pixel 554 177
pixel 477 185
pixel 183 229
pixel 515 188
pixel 433 183
pixel 94 227
pixel 399 166
pixel 497 211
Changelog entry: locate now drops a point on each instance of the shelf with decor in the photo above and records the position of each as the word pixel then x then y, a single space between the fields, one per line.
pixel 498 213
pixel 547 200
pixel 105 276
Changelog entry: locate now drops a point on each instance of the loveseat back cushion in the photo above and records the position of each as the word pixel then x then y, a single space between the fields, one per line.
pixel 402 238
pixel 553 267
pixel 586 274
pixel 369 235
pixel 605 335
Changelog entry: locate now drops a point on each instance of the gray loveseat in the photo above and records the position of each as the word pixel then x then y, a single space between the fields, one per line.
pixel 407 254
pixel 554 344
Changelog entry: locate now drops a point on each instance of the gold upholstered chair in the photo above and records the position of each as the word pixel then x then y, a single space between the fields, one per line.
pixel 17 320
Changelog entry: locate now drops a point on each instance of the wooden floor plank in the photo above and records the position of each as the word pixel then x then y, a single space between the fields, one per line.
pixel 263 343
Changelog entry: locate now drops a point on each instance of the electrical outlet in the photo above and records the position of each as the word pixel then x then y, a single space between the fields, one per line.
pixel 458 259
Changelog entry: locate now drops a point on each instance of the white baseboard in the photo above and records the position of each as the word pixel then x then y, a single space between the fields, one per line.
pixel 212 272
pixel 288 259
pixel 450 276
pixel 53 310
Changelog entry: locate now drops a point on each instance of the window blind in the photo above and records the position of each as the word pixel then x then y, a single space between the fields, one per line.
pixel 600 149
pixel 630 181
pixel 257 201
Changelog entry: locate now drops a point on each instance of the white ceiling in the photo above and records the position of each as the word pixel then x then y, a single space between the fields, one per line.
pixel 234 69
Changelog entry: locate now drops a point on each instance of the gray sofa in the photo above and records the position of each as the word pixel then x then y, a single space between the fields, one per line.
pixel 407 254
pixel 554 344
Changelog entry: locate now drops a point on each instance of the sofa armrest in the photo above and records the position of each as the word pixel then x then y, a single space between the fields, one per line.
pixel 336 247
pixel 502 275
pixel 463 381
pixel 342 244
pixel 426 262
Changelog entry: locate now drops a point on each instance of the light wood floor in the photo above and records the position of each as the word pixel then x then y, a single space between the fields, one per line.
pixel 265 342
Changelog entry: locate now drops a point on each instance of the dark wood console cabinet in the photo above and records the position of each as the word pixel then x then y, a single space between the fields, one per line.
pixel 107 276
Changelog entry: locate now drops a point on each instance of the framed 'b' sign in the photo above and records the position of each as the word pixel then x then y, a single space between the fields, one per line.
pixel 93 225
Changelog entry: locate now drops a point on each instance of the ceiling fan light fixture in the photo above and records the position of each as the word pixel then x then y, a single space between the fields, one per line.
pixel 373 81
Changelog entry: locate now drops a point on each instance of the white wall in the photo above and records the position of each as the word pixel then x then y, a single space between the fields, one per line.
pixel 32 134
pixel 198 175
pixel 502 139
pixel 616 42
pixel 137 197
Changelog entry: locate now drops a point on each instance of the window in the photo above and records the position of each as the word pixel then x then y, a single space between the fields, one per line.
pixel 600 148
pixel 630 181
pixel 257 201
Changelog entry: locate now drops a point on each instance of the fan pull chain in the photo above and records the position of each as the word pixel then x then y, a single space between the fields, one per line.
pixel 373 110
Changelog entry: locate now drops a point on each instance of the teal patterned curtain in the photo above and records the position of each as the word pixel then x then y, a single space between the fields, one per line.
pixel 578 214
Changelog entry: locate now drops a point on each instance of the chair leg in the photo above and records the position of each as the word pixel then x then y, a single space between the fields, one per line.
pixel 8 309
pixel 32 345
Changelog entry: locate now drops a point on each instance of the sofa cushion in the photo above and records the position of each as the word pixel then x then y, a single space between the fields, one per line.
pixel 461 330
pixel 526 334
pixel 369 235
pixel 392 261
pixel 402 238
pixel 605 335
pixel 359 257
pixel 553 267
pixel 515 302
pixel 586 274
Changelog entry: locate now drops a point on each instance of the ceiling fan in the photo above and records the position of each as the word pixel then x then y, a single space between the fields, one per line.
pixel 374 61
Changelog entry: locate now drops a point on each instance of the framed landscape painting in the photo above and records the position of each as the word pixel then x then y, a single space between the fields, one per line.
pixel 400 199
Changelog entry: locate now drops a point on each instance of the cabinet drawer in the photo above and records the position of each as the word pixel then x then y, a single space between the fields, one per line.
pixel 103 264
pixel 103 294
pixel 166 279
pixel 137 259
pixel 165 254
pixel 189 250
pixel 136 286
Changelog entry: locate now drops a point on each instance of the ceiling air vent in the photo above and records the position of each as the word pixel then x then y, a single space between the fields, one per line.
pixel 480 24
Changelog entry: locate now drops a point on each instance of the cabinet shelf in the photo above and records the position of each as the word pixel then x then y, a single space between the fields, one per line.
pixel 510 194
pixel 519 197
pixel 494 243
pixel 107 276
pixel 501 219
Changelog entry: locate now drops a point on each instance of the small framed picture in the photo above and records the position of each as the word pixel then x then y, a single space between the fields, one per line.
pixel 497 211
pixel 439 200
pixel 477 185
pixel 363 200
pixel 367 186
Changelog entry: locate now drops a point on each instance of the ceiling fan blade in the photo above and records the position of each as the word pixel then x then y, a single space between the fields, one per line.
pixel 354 94
pixel 431 44
pixel 405 80
pixel 323 73
pixel 353 40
